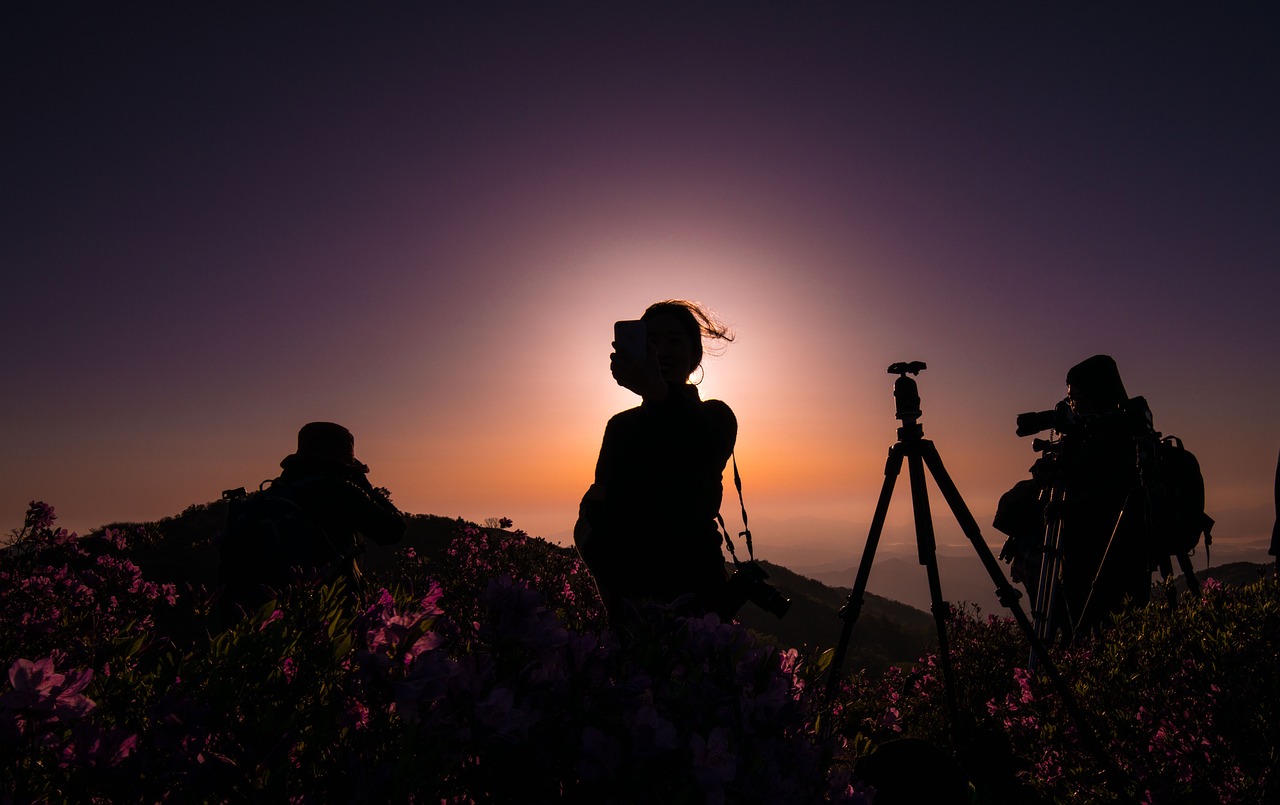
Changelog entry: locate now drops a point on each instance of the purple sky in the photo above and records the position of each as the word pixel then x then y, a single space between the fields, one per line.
pixel 221 222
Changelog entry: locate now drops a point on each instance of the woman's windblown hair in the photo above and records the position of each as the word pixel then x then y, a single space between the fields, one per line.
pixel 698 321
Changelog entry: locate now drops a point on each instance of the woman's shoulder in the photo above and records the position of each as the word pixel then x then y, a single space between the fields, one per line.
pixel 718 408
pixel 722 415
pixel 630 413
pixel 681 407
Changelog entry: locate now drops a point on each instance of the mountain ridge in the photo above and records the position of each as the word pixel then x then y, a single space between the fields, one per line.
pixel 183 549
pixel 894 626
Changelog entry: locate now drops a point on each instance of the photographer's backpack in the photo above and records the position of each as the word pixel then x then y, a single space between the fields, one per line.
pixel 1177 507
pixel 267 535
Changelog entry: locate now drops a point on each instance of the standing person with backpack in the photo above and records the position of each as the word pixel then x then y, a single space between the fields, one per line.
pixel 1114 499
pixel 1105 527
pixel 647 525
pixel 312 519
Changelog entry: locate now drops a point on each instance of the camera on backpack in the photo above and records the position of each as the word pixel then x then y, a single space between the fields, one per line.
pixel 748 584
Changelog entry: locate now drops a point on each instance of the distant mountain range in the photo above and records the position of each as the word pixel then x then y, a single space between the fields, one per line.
pixel 805 546
pixel 964 579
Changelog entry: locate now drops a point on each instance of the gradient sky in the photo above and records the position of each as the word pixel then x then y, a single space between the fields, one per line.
pixel 222 221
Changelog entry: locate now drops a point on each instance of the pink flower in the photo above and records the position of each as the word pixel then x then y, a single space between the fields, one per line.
pixel 891 720
pixel 1023 678
pixel 600 755
pixel 115 538
pixel 499 712
pixel 651 731
pixel 275 616
pixel 355 715
pixel 39 515
pixel 37 687
pixel 90 745
pixel 712 761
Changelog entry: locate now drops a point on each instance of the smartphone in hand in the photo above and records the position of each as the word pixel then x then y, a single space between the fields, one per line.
pixel 632 339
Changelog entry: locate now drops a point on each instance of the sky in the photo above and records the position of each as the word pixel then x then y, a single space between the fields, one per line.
pixel 420 220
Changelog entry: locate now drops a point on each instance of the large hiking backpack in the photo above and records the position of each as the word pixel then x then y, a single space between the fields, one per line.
pixel 1176 491
pixel 268 535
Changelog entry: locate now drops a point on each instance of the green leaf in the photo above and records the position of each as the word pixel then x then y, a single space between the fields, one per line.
pixel 343 646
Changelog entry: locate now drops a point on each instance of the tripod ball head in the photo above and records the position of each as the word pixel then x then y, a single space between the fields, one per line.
pixel 907 396
pixel 905 367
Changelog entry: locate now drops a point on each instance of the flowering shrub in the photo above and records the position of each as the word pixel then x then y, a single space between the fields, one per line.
pixel 550 709
pixel 487 674
pixel 1183 702
pixel 476 556
pixel 483 676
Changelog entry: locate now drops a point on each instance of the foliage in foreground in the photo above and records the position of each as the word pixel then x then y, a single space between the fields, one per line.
pixel 487 675
pixel 1182 701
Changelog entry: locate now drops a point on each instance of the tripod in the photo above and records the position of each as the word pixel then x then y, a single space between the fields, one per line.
pixel 1044 606
pixel 919 453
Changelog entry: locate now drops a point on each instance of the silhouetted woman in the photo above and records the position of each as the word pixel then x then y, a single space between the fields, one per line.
pixel 647 526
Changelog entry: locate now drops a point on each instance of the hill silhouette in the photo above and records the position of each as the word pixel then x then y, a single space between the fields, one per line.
pixel 182 549
pixel 965 580
pixel 887 632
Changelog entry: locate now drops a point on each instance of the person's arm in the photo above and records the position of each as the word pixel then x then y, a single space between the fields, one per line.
pixel 373 515
pixel 643 376
pixel 591 510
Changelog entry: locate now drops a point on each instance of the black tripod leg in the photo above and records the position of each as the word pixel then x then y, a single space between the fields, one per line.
pixel 1084 619
pixel 853 605
pixel 927 546
pixel 1048 609
pixel 1189 574
pixel 1166 575
pixel 1009 597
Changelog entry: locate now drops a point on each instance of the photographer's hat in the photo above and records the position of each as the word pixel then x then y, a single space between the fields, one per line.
pixel 326 443
pixel 1098 379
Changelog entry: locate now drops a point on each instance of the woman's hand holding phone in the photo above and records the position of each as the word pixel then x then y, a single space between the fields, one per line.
pixel 633 364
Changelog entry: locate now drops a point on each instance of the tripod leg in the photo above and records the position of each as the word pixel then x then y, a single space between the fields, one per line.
pixel 1084 619
pixel 926 544
pixel 1047 606
pixel 1005 591
pixel 1166 575
pixel 853 605
pixel 1189 573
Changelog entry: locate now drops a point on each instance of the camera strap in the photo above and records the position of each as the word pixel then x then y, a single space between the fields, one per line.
pixel 745 533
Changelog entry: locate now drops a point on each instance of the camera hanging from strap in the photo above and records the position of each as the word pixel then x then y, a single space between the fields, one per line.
pixel 745 533
pixel 748 580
